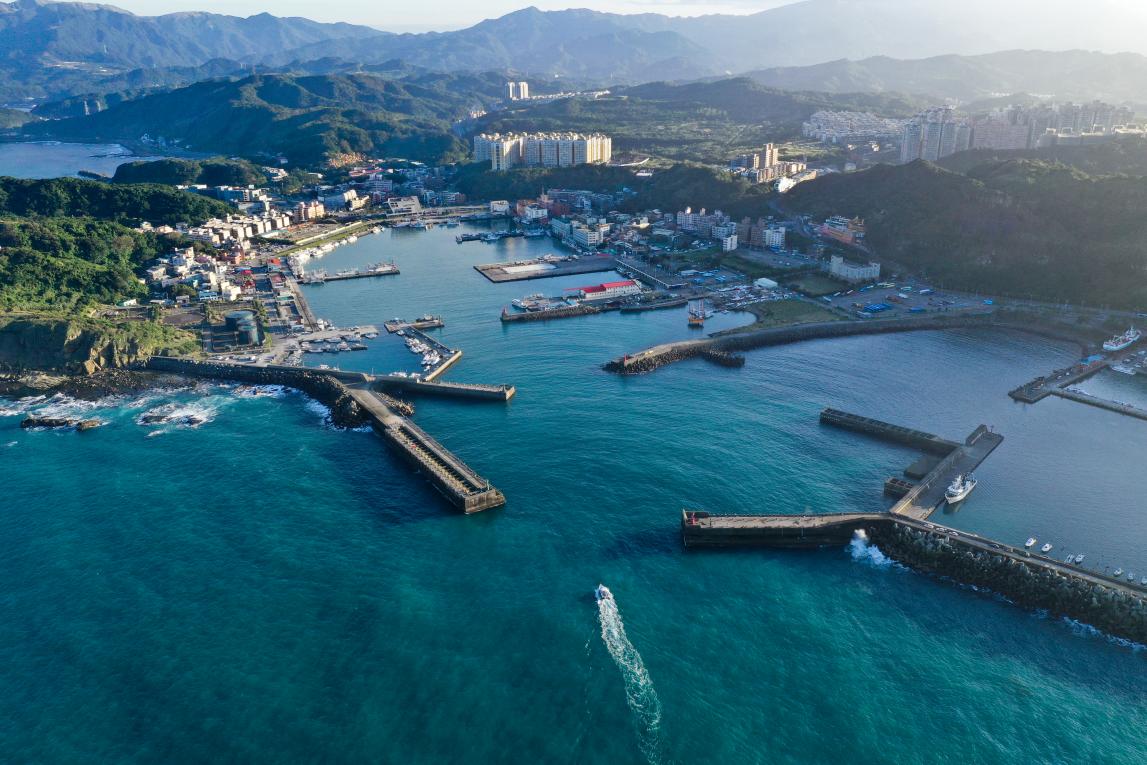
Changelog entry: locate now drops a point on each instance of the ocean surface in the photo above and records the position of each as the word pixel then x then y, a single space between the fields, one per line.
pixel 265 588
pixel 52 159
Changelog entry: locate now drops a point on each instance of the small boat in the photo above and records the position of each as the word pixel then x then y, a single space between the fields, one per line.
pixel 1030 542
pixel 960 488
pixel 602 593
pixel 1117 573
pixel 1079 558
pixel 1131 577
pixel 1046 548
pixel 1143 581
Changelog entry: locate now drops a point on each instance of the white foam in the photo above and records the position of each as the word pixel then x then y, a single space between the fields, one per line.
pixel 1082 629
pixel 863 551
pixel 639 691
pixel 179 415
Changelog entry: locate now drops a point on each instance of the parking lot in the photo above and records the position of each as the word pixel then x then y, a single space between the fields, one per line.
pixel 897 300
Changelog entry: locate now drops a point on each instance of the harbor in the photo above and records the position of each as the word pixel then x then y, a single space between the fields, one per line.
pixel 545 267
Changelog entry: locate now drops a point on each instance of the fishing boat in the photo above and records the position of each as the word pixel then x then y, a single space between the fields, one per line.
pixel 1046 548
pixel 1030 542
pixel 960 488
pixel 1126 340
pixel 602 593
pixel 696 314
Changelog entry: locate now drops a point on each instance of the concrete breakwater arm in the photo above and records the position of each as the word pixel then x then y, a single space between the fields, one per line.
pixel 658 356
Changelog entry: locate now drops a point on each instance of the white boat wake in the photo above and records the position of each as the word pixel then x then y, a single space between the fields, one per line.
pixel 639 691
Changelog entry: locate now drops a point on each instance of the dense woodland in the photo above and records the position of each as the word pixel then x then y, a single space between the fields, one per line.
pixel 65 244
pixel 1018 227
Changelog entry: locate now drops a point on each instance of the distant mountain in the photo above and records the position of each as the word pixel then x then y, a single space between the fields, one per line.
pixel 53 50
pixel 41 43
pixel 307 119
pixel 1072 74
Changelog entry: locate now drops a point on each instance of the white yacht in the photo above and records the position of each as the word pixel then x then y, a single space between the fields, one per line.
pixel 1046 548
pixel 960 488
pixel 1030 542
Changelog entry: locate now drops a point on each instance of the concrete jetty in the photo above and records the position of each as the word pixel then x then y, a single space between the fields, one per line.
pixel 474 391
pixel 922 499
pixel 322 277
pixel 887 431
pixel 1112 406
pixel 396 325
pixel 454 479
pixel 1041 387
pixel 545 268
pixel 353 399
pixel 660 355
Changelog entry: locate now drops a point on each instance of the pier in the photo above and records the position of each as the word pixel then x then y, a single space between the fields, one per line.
pixel 430 322
pixel 545 268
pixel 1042 387
pixel 353 399
pixel 922 499
pixel 454 479
pixel 322 277
pixel 1112 406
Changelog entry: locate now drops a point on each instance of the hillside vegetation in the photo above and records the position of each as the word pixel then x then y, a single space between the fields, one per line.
pixel 176 172
pixel 307 119
pixel 1020 227
pixel 699 121
pixel 65 245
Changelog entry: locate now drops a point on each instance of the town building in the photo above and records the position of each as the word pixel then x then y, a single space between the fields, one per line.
pixel 852 273
pixel 843 230
pixel 934 134
pixel 504 152
pixel 518 91
pixel 851 127
pixel 607 291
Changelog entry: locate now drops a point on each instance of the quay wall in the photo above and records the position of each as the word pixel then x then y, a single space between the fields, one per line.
pixel 1029 582
pixel 326 388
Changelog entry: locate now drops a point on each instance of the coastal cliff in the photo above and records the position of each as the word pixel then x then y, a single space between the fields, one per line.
pixel 74 346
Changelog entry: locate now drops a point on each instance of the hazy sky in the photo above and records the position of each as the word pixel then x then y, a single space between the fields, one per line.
pixel 405 16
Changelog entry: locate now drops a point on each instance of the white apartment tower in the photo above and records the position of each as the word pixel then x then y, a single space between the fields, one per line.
pixel 518 90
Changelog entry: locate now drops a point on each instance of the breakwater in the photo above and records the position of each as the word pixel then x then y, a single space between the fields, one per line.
pixel 353 401
pixel 325 388
pixel 555 313
pixel 658 356
pixel 1028 580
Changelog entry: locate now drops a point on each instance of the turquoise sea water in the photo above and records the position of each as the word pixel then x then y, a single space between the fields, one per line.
pixel 265 588
pixel 52 159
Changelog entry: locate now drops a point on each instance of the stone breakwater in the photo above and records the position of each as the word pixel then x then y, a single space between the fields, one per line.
pixel 659 356
pixel 1116 609
pixel 332 393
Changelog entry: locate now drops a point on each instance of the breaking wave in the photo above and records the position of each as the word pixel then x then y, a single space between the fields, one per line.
pixel 178 415
pixel 863 551
pixel 639 691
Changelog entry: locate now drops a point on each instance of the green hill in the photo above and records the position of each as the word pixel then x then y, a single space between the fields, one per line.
pixel 699 121
pixel 1017 227
pixel 308 119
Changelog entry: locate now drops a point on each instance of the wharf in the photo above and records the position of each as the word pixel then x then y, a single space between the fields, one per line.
pixel 322 277
pixel 543 268
pixel 1112 406
pixel 702 529
pixel 565 312
pixel 655 278
pixel 1042 387
pixel 394 325
pixel 656 305
pixel 476 391
pixel 304 308
pixel 449 356
pixel 922 499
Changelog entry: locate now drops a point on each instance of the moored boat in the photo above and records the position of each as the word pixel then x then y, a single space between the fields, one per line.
pixel 1126 340
pixel 960 488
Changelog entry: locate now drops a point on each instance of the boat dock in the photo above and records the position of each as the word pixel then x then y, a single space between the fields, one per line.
pixel 301 305
pixel 921 499
pixel 447 356
pixel 432 322
pixel 1040 388
pixel 545 268
pixel 322 277
pixel 1112 406
pixel 476 391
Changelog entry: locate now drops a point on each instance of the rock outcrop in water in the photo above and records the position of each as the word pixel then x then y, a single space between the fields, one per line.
pixel 34 421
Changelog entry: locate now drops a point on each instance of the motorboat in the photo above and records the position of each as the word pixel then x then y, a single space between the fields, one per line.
pixel 602 593
pixel 1046 548
pixel 1030 542
pixel 1079 558
pixel 960 488
pixel 1117 573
